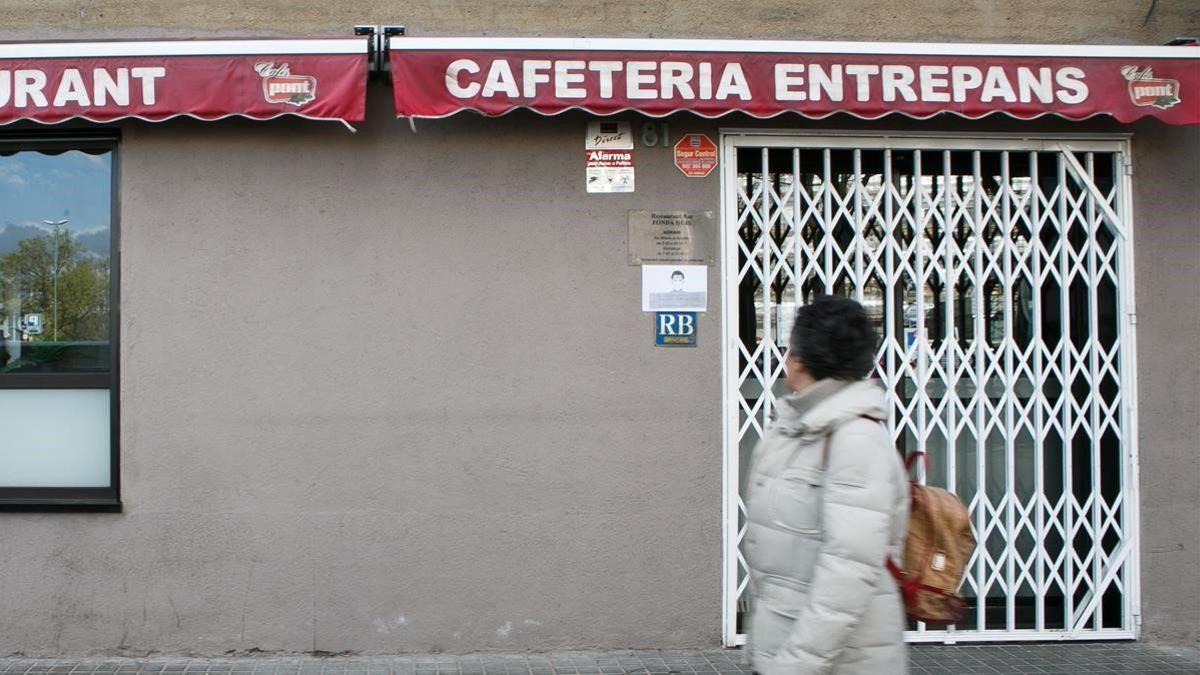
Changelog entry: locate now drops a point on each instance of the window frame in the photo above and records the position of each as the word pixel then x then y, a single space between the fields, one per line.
pixel 79 498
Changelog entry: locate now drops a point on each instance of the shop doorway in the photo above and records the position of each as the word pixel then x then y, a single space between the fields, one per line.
pixel 998 273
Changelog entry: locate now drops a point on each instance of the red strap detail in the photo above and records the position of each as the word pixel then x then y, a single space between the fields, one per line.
pixel 894 569
pixel 908 587
pixel 912 459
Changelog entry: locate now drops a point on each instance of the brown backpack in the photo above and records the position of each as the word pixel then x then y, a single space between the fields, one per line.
pixel 936 550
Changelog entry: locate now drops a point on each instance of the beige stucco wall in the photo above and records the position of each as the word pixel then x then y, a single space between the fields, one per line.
pixel 1100 21
pixel 390 391
pixel 1167 252
pixel 386 392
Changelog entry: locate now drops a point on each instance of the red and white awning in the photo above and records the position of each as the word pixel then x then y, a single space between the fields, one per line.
pixel 436 77
pixel 49 82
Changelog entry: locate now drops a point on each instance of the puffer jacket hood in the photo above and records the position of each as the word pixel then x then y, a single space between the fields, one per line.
pixel 826 504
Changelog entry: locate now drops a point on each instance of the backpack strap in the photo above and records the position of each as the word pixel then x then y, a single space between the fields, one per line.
pixel 912 459
pixel 909 583
pixel 910 586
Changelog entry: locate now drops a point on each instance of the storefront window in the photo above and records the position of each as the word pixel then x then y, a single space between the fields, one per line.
pixel 57 328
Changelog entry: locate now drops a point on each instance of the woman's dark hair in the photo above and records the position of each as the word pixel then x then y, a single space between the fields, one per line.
pixel 834 338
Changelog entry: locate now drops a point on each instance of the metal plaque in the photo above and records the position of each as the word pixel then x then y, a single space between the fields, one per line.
pixel 671 237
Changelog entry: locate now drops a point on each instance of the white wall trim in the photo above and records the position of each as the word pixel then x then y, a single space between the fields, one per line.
pixel 103 49
pixel 963 49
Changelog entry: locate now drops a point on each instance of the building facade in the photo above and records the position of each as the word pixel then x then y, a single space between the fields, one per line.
pixel 394 390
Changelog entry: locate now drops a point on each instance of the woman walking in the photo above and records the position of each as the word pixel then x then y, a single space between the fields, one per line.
pixel 827 503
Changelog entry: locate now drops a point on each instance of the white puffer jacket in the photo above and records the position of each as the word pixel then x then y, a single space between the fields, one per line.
pixel 816 539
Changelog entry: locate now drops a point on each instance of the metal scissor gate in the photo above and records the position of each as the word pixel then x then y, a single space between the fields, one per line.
pixel 998 272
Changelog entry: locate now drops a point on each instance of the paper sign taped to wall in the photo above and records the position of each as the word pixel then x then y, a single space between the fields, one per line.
pixel 674 288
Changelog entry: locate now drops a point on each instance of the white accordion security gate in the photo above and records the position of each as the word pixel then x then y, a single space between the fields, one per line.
pixel 999 274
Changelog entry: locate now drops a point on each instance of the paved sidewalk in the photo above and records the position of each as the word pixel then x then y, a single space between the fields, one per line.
pixel 923 660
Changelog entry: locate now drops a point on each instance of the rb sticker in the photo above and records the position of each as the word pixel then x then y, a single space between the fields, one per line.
pixel 281 86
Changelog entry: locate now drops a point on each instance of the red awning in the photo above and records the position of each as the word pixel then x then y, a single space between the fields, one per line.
pixel 435 77
pixel 50 82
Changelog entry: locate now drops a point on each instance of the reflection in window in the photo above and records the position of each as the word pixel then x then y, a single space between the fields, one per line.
pixel 54 261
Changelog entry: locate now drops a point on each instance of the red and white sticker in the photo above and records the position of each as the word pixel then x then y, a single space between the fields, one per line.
pixel 609 170
pixel 1147 90
pixel 281 86
pixel 696 155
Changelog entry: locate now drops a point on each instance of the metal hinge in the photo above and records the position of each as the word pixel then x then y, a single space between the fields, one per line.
pixel 1128 168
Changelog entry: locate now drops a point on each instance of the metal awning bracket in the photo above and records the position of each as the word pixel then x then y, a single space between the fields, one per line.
pixel 378 35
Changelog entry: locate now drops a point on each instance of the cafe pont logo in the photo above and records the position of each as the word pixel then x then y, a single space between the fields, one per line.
pixel 281 86
pixel 1147 90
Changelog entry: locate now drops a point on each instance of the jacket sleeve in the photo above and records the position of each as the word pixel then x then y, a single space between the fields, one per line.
pixel 856 515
